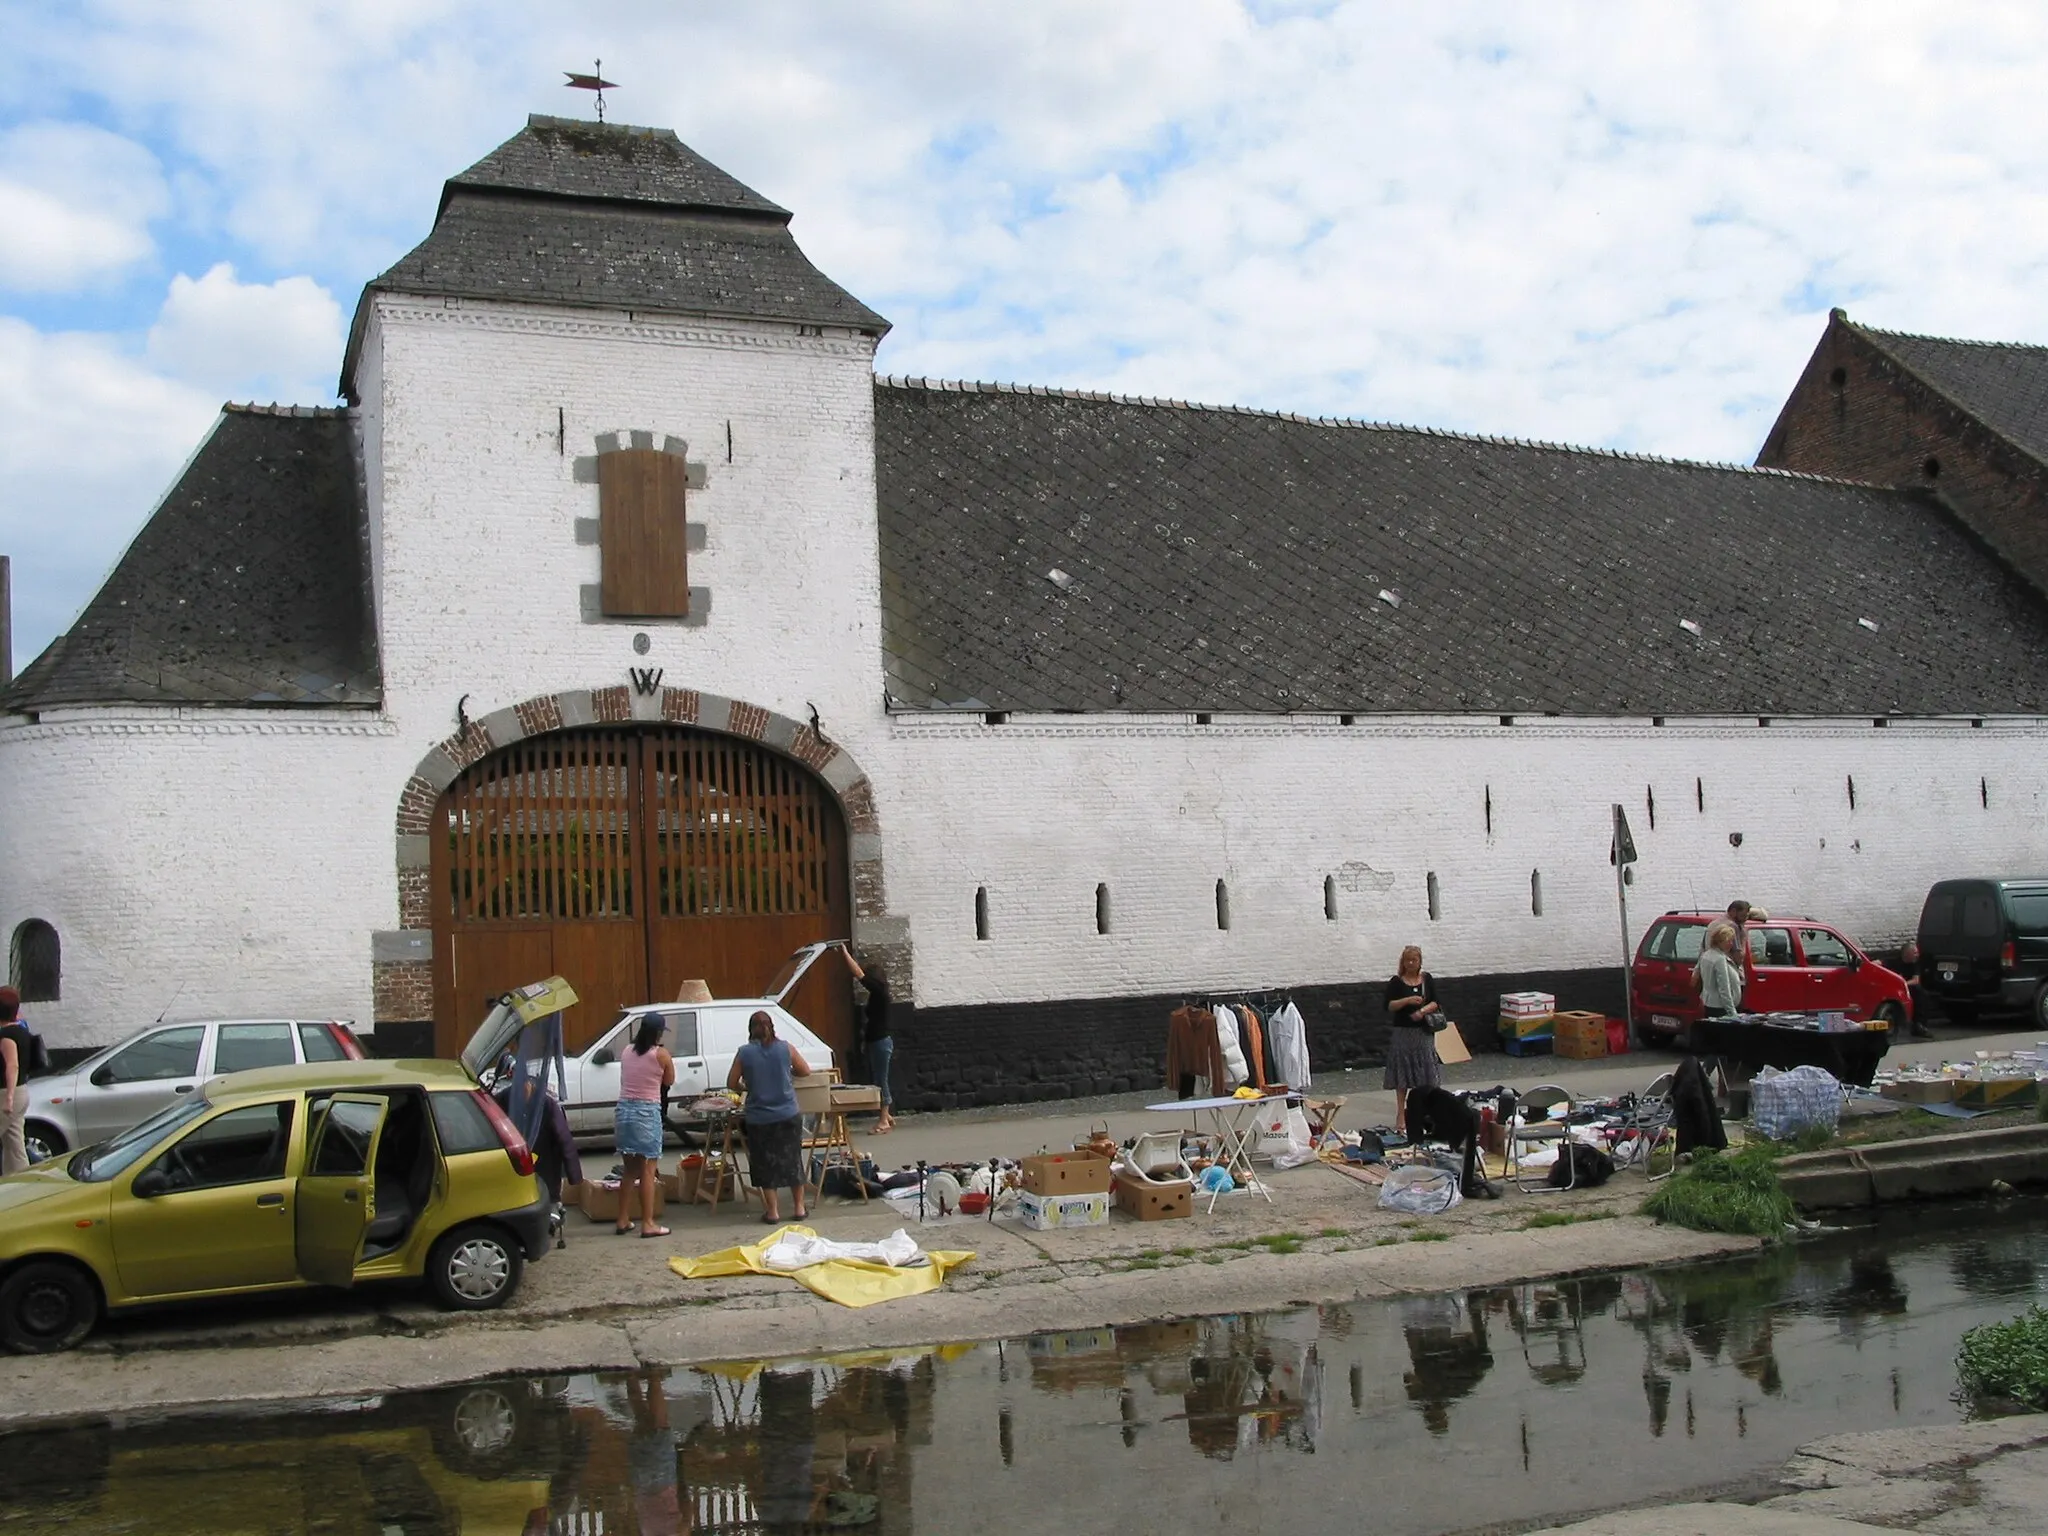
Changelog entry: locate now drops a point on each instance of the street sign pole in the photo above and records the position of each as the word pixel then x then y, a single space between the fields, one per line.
pixel 1624 854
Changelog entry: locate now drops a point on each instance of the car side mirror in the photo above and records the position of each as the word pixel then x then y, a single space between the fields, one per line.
pixel 104 1076
pixel 150 1183
pixel 603 1058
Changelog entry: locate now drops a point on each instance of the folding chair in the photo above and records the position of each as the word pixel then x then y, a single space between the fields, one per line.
pixel 1533 1127
pixel 1654 1125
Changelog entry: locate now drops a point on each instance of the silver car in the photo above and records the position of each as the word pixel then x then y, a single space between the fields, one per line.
pixel 125 1084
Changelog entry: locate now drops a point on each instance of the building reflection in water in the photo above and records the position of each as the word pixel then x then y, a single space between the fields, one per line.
pixel 1447 1350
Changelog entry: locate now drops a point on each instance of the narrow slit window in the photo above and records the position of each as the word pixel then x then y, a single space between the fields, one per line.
pixel 1984 793
pixel 1650 803
pixel 1489 810
pixel 1852 791
pixel 1222 905
pixel 1102 909
pixel 1535 893
pixel 1329 898
pixel 1435 904
pixel 981 912
pixel 1699 794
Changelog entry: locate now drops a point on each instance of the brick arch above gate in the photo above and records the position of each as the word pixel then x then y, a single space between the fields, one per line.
pixel 402 961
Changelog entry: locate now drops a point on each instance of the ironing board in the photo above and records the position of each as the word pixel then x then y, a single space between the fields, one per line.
pixel 1233 1122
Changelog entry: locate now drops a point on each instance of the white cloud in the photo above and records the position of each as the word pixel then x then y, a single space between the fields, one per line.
pixel 89 440
pixel 75 205
pixel 269 341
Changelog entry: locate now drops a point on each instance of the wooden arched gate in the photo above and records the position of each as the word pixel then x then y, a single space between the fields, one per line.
pixel 631 859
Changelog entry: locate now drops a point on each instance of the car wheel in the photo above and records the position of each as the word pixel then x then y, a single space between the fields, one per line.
pixel 2041 1006
pixel 478 1433
pixel 47 1305
pixel 44 1141
pixel 475 1268
pixel 1894 1017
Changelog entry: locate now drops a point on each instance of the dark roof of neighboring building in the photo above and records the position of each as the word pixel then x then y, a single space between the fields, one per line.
pixel 248 585
pixel 1047 551
pixel 617 217
pixel 2002 384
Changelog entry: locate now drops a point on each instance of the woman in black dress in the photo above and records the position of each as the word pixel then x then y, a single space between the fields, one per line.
pixel 1413 1010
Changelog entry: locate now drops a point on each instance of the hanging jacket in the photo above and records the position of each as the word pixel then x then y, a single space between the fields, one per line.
pixel 1287 1038
pixel 1235 1070
pixel 1253 1038
pixel 1192 1052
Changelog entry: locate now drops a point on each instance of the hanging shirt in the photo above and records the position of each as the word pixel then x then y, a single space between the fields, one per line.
pixel 1287 1041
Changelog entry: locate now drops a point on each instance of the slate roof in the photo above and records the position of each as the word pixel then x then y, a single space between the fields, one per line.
pixel 1232 560
pixel 249 584
pixel 571 157
pixel 617 217
pixel 2003 384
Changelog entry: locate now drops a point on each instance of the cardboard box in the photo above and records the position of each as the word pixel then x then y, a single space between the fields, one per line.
pixel 600 1202
pixel 1450 1046
pixel 1155 1202
pixel 1514 1026
pixel 1066 1173
pixel 1521 1005
pixel 1579 1036
pixel 854 1096
pixel 1920 1090
pixel 1996 1092
pixel 813 1095
pixel 1043 1213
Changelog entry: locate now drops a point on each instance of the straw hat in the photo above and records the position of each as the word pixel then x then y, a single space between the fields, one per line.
pixel 694 992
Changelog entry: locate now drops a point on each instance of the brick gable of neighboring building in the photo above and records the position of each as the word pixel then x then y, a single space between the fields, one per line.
pixel 1923 412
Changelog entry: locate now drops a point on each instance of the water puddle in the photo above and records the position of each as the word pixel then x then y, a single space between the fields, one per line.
pixel 1432 1414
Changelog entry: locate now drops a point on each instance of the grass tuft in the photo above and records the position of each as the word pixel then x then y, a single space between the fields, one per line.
pixel 1726 1192
pixel 2007 1363
pixel 1429 1237
pixel 1334 1232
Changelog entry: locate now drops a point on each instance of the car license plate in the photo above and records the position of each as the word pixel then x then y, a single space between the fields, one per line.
pixel 1663 1021
pixel 1948 969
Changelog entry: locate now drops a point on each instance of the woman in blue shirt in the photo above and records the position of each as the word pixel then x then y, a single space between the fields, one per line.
pixel 768 1068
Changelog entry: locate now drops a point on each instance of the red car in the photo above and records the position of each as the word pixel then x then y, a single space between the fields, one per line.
pixel 1793 965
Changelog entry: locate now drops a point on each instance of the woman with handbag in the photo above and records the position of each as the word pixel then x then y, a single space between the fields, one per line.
pixel 1416 1016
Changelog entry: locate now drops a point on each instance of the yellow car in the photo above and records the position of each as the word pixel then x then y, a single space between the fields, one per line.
pixel 323 1174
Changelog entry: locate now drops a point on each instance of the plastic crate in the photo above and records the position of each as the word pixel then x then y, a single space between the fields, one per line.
pixel 1526 1045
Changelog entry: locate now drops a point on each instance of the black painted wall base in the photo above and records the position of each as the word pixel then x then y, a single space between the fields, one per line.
pixel 395 1040
pixel 1010 1053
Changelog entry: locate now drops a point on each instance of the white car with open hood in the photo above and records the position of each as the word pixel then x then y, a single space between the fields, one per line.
pixel 702 1037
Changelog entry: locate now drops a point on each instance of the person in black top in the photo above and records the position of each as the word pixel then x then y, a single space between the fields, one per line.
pixel 14 1058
pixel 881 1045
pixel 1413 1010
pixel 1909 967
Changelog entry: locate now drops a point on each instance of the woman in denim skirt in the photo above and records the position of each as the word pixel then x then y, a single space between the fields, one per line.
pixel 646 1069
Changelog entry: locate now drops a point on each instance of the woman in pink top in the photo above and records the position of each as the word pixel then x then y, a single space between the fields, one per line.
pixel 644 1071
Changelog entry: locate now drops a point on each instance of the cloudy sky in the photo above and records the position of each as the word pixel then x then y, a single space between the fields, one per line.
pixel 1613 224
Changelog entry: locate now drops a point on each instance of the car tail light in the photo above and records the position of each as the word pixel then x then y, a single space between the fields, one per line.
pixel 515 1144
pixel 2009 957
pixel 345 1038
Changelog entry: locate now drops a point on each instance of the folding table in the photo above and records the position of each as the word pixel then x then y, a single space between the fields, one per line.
pixel 1234 1122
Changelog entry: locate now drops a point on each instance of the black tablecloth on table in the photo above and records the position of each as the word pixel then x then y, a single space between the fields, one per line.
pixel 1851 1055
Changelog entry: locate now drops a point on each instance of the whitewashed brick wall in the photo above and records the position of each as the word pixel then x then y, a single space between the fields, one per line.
pixel 1039 811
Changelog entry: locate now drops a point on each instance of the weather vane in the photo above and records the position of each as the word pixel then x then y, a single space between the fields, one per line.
pixel 594 82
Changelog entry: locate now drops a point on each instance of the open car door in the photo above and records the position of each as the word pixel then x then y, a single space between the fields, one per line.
pixel 337 1195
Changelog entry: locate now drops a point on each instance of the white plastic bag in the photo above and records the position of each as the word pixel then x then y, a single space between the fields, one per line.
pixel 1420 1190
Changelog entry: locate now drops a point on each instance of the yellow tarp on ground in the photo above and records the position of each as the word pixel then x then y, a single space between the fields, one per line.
pixel 850 1282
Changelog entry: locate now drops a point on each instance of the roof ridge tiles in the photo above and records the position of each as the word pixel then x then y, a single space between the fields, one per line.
pixel 1947 341
pixel 254 408
pixel 1353 423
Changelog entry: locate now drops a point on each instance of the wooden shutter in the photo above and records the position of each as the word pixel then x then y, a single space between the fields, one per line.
pixel 643 535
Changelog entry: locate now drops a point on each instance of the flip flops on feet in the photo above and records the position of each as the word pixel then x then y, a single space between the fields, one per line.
pixel 654 1232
